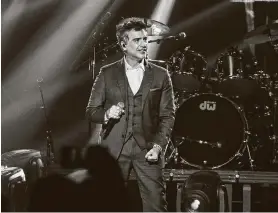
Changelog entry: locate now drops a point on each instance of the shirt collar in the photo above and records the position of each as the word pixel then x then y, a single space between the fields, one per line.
pixel 141 65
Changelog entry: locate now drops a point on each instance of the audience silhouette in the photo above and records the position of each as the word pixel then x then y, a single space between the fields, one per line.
pixel 102 190
pixel 106 190
pixel 5 204
pixel 53 193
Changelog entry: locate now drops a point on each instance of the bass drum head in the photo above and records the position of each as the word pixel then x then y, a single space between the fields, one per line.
pixel 213 129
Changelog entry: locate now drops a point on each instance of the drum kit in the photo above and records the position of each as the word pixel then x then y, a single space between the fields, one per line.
pixel 226 118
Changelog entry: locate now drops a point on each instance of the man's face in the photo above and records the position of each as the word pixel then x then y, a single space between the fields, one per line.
pixel 137 45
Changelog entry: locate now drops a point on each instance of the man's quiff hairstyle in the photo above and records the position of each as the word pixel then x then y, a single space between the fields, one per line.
pixel 128 24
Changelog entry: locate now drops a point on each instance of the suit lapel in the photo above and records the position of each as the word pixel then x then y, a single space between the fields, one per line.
pixel 121 79
pixel 146 83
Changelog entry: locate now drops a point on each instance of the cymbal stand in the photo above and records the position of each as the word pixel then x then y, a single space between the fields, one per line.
pixel 111 46
pixel 275 46
pixel 249 156
pixel 274 137
pixel 170 154
pixel 92 59
pixel 50 159
pixel 92 63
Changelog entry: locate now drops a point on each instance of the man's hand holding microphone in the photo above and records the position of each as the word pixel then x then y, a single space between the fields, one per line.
pixel 114 112
pixel 111 116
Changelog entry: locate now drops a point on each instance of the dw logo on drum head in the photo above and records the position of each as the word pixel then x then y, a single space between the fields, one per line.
pixel 208 105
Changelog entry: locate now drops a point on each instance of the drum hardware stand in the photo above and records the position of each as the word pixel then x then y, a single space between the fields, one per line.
pixel 240 70
pixel 113 45
pixel 174 153
pixel 275 46
pixel 92 63
pixel 249 152
pixel 274 137
pixel 250 157
pixel 50 159
pixel 218 144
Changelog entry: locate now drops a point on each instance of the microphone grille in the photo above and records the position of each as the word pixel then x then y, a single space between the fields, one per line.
pixel 182 35
pixel 121 105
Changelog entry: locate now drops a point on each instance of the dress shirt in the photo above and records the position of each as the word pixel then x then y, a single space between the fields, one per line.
pixel 134 75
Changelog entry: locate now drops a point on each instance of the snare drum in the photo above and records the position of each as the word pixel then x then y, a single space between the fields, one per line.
pixel 209 131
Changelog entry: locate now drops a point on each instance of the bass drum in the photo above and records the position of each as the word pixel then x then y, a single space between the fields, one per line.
pixel 209 131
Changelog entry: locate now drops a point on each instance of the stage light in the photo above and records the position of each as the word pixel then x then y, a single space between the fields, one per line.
pixel 201 192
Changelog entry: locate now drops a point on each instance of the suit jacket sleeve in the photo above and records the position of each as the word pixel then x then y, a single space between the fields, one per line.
pixel 95 109
pixel 166 113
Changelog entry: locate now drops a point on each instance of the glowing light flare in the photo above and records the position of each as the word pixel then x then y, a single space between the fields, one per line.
pixel 250 15
pixel 162 14
pixel 17 11
pixel 201 19
pixel 50 57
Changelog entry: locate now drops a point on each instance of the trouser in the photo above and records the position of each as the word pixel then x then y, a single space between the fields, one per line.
pixel 148 175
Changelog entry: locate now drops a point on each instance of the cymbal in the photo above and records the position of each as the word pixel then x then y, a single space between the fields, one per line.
pixel 262 33
pixel 156 28
pixel 260 39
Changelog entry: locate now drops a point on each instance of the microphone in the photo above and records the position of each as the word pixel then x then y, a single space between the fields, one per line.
pixel 111 122
pixel 180 36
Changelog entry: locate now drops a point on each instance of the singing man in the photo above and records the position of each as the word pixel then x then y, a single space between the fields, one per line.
pixel 133 100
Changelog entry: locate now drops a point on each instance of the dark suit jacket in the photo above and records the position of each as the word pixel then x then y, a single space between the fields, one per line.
pixel 158 104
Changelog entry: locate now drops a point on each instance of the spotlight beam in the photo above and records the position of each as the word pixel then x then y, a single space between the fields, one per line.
pixel 105 19
pixel 47 57
pixel 201 19
pixel 162 14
